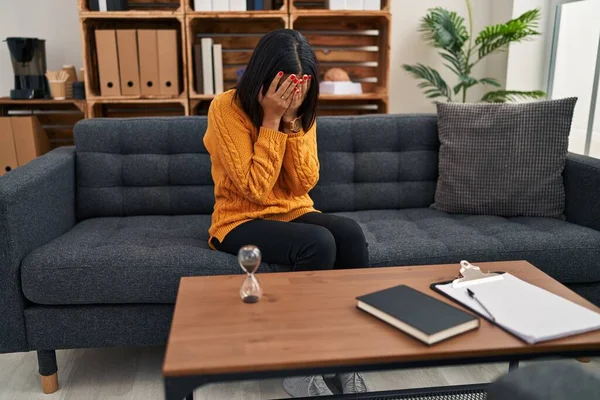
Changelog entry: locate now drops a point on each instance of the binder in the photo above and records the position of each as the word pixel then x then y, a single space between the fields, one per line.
pixel 129 67
pixel 220 5
pixel 207 65
pixel 237 5
pixel 108 62
pixel 202 5
pixel 528 312
pixel 148 56
pixel 8 152
pixel 31 140
pixel 168 62
pixel 218 68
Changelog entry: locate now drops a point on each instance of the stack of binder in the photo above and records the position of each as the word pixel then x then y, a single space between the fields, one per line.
pixel 129 62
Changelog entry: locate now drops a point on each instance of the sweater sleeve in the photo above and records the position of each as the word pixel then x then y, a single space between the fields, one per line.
pixel 253 167
pixel 301 161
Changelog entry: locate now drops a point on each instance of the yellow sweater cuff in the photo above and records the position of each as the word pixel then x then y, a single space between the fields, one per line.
pixel 272 134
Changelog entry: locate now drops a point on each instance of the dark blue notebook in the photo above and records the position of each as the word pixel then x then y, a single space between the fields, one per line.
pixel 417 314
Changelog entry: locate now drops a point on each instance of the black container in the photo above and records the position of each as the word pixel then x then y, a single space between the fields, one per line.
pixel 28 56
pixel 111 5
pixel 79 91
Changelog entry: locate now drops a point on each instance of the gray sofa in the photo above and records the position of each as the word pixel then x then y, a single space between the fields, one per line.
pixel 94 239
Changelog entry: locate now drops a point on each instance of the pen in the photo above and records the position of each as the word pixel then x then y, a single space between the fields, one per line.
pixel 472 295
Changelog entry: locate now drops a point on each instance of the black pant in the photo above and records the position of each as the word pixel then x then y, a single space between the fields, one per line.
pixel 313 241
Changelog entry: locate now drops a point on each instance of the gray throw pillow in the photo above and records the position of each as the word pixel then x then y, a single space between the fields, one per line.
pixel 503 159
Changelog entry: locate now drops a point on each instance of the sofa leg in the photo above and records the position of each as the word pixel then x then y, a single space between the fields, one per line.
pixel 48 370
pixel 584 360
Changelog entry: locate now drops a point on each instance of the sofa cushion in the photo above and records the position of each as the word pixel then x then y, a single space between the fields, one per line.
pixel 123 260
pixel 567 252
pixel 141 259
pixel 376 162
pixel 503 159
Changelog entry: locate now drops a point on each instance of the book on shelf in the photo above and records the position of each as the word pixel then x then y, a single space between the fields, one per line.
pixel 207 66
pixel 353 4
pixel 237 5
pixel 107 5
pixel 199 81
pixel 218 68
pixel 220 5
pixel 202 5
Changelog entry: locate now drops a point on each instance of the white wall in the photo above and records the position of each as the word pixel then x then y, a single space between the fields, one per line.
pixel 409 48
pixel 53 20
pixel 527 67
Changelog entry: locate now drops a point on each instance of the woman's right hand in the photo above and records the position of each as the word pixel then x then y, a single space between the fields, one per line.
pixel 277 100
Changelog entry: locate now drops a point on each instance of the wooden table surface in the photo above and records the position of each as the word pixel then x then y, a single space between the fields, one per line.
pixel 310 320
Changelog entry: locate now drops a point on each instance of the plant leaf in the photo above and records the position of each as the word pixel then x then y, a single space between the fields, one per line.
pixel 444 29
pixel 490 81
pixel 466 82
pixel 431 80
pixel 504 96
pixel 457 60
pixel 498 37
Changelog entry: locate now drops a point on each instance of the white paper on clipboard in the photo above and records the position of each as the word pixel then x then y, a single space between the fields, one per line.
pixel 527 311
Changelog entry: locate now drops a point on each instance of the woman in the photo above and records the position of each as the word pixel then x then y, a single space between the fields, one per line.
pixel 263 146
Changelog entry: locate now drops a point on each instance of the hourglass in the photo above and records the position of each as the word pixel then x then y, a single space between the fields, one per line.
pixel 249 258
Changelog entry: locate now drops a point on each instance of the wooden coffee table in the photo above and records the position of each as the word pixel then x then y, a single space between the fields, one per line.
pixel 307 323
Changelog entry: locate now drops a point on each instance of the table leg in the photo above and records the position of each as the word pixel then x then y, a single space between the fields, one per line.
pixel 513 365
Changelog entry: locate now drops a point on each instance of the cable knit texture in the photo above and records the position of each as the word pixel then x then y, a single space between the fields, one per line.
pixel 258 174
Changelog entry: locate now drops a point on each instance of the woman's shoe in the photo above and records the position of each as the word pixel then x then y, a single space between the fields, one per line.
pixel 352 383
pixel 306 386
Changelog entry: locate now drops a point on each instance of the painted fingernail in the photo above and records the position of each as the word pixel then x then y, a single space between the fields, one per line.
pixel 300 82
pixel 292 77
pixel 305 77
pixel 280 73
pixel 295 80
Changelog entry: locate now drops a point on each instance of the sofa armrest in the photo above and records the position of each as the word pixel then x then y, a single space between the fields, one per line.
pixel 582 189
pixel 37 204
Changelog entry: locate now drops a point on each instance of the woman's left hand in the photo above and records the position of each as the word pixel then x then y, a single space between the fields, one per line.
pixel 297 98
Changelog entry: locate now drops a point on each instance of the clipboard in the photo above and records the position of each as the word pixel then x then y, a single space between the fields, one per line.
pixel 529 313
pixel 469 273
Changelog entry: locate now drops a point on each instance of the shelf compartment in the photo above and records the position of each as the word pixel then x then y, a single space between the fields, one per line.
pixel 57 117
pixel 343 105
pixel 238 38
pixel 92 79
pixel 137 108
pixel 199 107
pixel 316 6
pixel 139 8
pixel 358 44
pixel 280 7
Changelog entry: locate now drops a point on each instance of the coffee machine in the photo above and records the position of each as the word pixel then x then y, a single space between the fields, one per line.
pixel 28 56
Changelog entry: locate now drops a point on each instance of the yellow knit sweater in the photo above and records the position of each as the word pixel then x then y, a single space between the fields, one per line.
pixel 258 174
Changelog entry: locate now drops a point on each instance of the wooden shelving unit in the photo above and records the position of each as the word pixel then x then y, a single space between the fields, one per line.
pixel 238 36
pixel 57 117
pixel 139 8
pixel 137 108
pixel 89 24
pixel 357 41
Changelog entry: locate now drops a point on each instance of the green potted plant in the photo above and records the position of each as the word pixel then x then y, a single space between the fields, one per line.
pixel 446 31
